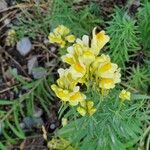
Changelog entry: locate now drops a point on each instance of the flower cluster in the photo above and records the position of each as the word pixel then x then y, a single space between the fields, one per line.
pixel 11 37
pixel 61 36
pixel 124 95
pixel 86 66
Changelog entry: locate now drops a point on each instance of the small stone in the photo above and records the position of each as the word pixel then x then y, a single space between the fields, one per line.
pixel 39 72
pixel 31 122
pixel 53 49
pixel 3 5
pixel 24 46
pixel 32 63
pixel 7 21
pixel 38 122
pixel 38 112
pixel 46 41
pixel 52 126
pixel 22 125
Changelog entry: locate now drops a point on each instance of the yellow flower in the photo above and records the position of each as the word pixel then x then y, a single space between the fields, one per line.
pixel 76 97
pixel 60 36
pixel 87 107
pixel 98 41
pixel 60 93
pixel 79 57
pixel 70 38
pixel 85 40
pixel 99 60
pixel 62 30
pixel 124 95
pixel 106 73
pixel 56 39
pixel 66 88
pixel 106 83
pixel 60 144
pixel 87 58
pixel 64 121
pixel 67 79
pixel 11 38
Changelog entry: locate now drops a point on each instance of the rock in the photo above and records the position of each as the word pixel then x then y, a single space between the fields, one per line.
pixel 3 5
pixel 22 125
pixel 52 126
pixel 28 121
pixel 24 46
pixel 39 72
pixel 7 21
pixel 46 41
pixel 38 112
pixel 32 63
pixel 53 49
pixel 38 122
pixel 31 122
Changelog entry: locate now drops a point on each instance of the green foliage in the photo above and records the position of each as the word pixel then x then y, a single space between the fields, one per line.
pixel 144 25
pixel 37 93
pixel 123 33
pixel 32 24
pixel 114 126
pixel 80 21
pixel 59 12
pixel 139 77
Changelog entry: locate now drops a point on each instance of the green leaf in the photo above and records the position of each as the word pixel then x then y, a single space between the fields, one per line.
pixel 2 147
pixel 15 131
pixel 17 122
pixel 6 102
pixel 139 97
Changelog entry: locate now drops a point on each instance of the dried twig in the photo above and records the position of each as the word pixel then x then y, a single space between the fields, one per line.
pixel 7 54
pixel 22 6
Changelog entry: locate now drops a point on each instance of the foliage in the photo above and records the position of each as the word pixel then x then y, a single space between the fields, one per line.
pixel 59 12
pixel 144 25
pixel 32 24
pixel 123 33
pixel 113 126
pixel 37 93
pixel 80 21
pixel 109 118
pixel 139 77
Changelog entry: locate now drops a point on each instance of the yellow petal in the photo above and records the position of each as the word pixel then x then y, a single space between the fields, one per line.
pixel 106 83
pixel 105 68
pixel 54 38
pixel 75 98
pixel 98 41
pixel 70 38
pixel 124 95
pixel 92 111
pixel 90 104
pixel 62 94
pixel 79 68
pixel 87 58
pixel 64 122
pixel 68 59
pixel 62 30
pixel 81 111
